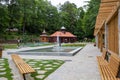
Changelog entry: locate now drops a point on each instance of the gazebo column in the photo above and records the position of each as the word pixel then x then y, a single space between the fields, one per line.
pixel 69 39
pixel 63 39
pixel 119 30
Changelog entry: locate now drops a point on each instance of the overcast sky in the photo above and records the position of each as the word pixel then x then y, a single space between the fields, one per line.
pixel 79 3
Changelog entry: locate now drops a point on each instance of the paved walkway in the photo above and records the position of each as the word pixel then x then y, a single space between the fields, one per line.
pixel 82 66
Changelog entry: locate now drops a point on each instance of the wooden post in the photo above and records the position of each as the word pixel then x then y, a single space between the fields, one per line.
pixel 119 30
pixel 96 39
pixel 106 36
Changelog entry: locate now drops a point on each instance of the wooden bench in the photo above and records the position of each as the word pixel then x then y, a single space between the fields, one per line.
pixel 23 67
pixel 110 70
pixel 101 59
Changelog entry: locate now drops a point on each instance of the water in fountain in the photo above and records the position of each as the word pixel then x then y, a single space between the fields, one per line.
pixel 58 45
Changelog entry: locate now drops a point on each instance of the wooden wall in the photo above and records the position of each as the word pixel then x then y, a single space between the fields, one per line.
pixel 101 39
pixel 43 38
pixel 113 34
pixel 106 8
pixel 109 0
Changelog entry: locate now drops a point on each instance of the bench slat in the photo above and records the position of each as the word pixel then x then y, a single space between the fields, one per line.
pixel 23 67
pixel 109 70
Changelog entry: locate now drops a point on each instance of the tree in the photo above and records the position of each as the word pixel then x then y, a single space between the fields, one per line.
pixel 79 30
pixel 68 15
pixel 3 16
pixel 31 17
pixel 89 18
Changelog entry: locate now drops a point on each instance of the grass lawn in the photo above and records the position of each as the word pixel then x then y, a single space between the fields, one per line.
pixel 43 67
pixel 5 71
pixel 9 46
pixel 74 45
pixel 14 46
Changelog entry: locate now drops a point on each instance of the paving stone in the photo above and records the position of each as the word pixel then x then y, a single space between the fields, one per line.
pixel 56 63
pixel 41 71
pixel 2 64
pixel 2 73
pixel 44 62
pixel 3 78
pixel 16 77
pixel 2 59
pixel 54 66
pixel 48 68
pixel 2 69
pixel 32 62
pixel 40 76
pixel 39 60
pixel 75 66
pixel 37 68
pixel 40 64
pixel 27 60
pixel 48 65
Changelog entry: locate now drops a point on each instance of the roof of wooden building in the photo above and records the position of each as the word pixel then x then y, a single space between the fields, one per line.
pixel 62 34
pixel 106 8
pixel 44 33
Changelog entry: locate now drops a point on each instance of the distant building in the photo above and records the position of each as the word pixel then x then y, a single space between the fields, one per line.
pixel 44 37
pixel 64 36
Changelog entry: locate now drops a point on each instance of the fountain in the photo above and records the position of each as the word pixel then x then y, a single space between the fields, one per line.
pixel 51 50
pixel 58 41
pixel 58 47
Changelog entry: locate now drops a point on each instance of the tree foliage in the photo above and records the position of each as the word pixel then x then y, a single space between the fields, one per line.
pixel 33 16
pixel 89 18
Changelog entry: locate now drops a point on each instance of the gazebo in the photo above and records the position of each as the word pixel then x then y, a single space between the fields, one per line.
pixel 44 37
pixel 64 36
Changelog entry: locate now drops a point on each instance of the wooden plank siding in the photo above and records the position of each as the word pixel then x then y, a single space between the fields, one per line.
pixel 108 32
pixel 106 1
pixel 101 39
pixel 106 8
pixel 108 4
pixel 113 34
pixel 108 13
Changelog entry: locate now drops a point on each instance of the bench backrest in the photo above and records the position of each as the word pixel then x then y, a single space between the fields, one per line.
pixel 114 64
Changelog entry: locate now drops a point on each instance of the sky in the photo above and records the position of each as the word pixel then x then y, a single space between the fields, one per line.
pixel 79 3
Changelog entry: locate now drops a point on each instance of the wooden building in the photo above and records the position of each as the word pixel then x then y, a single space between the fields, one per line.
pixel 107 27
pixel 64 36
pixel 44 37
